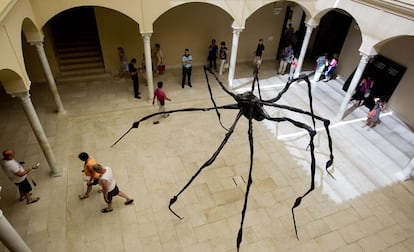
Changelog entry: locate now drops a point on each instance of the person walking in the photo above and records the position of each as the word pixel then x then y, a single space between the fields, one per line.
pixel 123 70
pixel 321 63
pixel 161 96
pixel 363 91
pixel 212 55
pixel 259 53
pixel 223 56
pixel 134 76
pixel 374 114
pixel 109 187
pixel 187 60
pixel 331 67
pixel 293 65
pixel 89 161
pixel 18 175
pixel 160 60
pixel 285 59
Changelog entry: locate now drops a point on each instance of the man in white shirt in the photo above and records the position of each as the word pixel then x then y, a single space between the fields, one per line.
pixel 109 187
pixel 18 175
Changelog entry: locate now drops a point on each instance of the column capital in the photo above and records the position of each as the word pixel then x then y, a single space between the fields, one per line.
pixel 36 43
pixel 237 31
pixel 310 26
pixel 146 35
pixel 23 96
pixel 365 57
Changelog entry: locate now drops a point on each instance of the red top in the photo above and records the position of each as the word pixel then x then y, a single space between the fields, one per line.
pixel 160 94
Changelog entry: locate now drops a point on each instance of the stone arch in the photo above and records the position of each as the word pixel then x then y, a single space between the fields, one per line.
pixel 268 21
pixel 30 30
pixel 11 81
pixel 133 13
pixel 399 49
pixel 158 13
pixel 195 35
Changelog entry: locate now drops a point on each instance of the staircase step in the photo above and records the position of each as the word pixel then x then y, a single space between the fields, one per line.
pixel 84 54
pixel 69 61
pixel 81 66
pixel 77 49
pixel 82 71
pixel 83 78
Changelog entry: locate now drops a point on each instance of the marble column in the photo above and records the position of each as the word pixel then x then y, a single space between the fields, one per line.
pixel 39 132
pixel 148 64
pixel 354 82
pixel 233 57
pixel 49 76
pixel 10 238
pixel 309 29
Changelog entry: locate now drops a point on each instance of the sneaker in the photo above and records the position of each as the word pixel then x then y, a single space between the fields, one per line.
pixel 106 210
pixel 129 202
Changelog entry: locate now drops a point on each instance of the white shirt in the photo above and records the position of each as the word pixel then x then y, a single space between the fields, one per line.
pixel 109 177
pixel 10 167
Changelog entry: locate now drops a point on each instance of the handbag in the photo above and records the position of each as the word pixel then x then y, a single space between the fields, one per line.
pixel 161 68
pixel 226 65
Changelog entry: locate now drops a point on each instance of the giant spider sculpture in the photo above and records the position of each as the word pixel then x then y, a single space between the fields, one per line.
pixel 253 108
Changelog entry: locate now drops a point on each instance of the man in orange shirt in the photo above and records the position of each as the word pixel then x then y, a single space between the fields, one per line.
pixel 87 169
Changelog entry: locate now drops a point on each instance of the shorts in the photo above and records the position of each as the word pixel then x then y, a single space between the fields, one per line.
pixel 112 193
pixel 24 186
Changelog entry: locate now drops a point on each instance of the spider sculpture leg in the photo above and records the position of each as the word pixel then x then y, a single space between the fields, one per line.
pixel 312 134
pixel 326 123
pixel 207 163
pixel 137 123
pixel 286 87
pixel 249 183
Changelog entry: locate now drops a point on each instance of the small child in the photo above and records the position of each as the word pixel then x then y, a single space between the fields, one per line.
pixel 293 65
pixel 161 97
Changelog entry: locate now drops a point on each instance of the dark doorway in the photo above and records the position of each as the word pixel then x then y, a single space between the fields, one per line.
pixel 77 43
pixel 331 35
pixel 76 20
pixel 386 75
pixel 283 38
pixel 296 39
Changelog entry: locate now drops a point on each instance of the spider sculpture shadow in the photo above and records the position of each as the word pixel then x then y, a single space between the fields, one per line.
pixel 253 108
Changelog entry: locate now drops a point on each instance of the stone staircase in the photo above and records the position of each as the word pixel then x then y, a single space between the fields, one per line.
pixel 79 58
pixel 77 47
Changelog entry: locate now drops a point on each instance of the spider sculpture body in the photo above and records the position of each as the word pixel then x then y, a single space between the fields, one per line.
pixel 252 107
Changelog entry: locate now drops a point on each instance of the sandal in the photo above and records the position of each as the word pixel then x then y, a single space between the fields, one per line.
pixel 106 210
pixel 83 196
pixel 128 202
pixel 33 200
pixel 22 197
